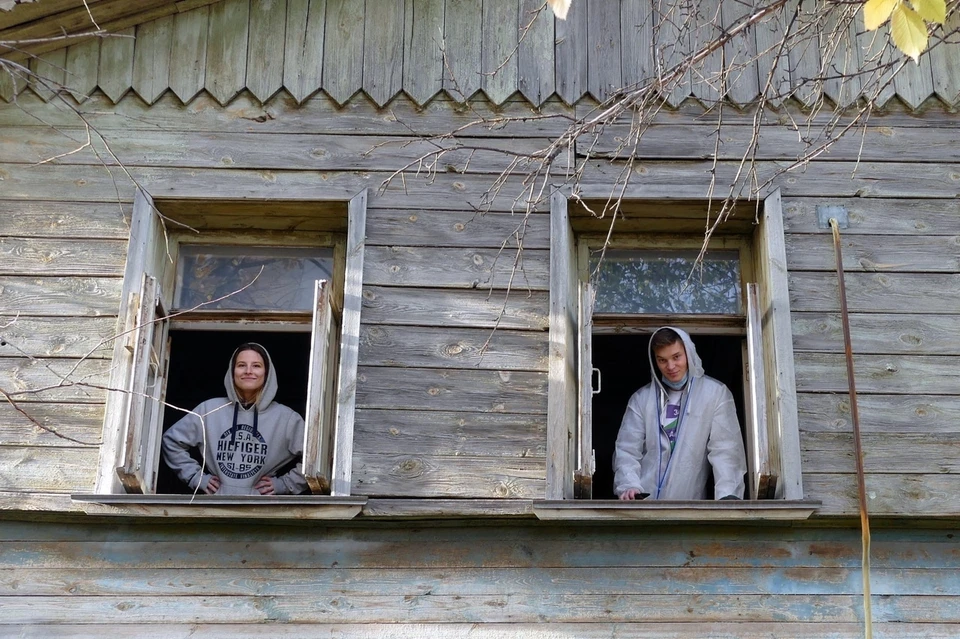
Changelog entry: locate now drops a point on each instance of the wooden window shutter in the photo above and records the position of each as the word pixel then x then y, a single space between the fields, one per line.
pixel 137 376
pixel 762 451
pixel 346 395
pixel 141 428
pixel 318 434
pixel 586 465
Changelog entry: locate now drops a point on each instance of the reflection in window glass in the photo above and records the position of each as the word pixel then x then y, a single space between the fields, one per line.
pixel 666 282
pixel 271 279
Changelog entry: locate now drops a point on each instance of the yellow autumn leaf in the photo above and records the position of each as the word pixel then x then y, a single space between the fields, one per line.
pixel 876 12
pixel 931 10
pixel 909 31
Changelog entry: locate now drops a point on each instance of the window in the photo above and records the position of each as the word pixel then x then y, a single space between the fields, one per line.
pixel 243 277
pixel 609 291
pixel 628 291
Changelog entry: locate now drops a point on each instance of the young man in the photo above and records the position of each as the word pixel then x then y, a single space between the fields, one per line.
pixel 678 427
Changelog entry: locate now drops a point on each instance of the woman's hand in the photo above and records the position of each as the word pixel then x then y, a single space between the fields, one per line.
pixel 213 485
pixel 264 486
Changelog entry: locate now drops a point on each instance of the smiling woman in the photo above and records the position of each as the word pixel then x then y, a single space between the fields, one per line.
pixel 244 439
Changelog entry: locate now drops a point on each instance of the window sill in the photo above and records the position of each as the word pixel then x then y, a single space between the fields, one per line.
pixel 247 506
pixel 440 508
pixel 675 510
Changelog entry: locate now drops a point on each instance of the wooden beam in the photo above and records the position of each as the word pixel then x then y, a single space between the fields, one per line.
pixel 347 398
pixel 562 377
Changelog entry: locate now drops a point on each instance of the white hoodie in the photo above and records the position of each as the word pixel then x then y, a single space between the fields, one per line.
pixel 241 445
pixel 709 436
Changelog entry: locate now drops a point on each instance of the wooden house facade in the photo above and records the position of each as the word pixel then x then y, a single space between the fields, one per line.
pixel 445 370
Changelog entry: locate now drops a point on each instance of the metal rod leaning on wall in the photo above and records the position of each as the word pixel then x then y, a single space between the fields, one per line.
pixel 855 418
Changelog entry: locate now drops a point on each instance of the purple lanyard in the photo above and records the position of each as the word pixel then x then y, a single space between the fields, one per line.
pixel 684 404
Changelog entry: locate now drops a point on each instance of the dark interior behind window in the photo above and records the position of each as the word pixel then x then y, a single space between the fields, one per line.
pixel 624 368
pixel 198 362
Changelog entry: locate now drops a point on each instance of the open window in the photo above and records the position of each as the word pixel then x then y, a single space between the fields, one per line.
pixel 631 287
pixel 610 290
pixel 189 298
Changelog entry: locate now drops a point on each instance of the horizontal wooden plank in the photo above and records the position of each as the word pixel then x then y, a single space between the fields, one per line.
pixel 456 268
pixel 447 509
pixel 58 336
pixel 877 292
pixel 876 217
pixel 60 296
pixel 295 581
pixel 686 179
pixel 793 113
pixel 79 422
pixel 666 179
pixel 281 114
pixel 254 150
pixel 438 389
pixel 887 495
pixel 390 475
pixel 59 380
pixel 883 453
pixel 85 258
pixel 462 307
pixel 737 224
pixel 886 374
pixel 446 433
pixel 122 545
pixel 878 333
pixel 784 142
pixel 94 220
pixel 63 470
pixel 539 630
pixel 888 253
pixel 430 608
pixel 30 11
pixel 457 228
pixel 95 183
pixel 476 348
pixel 914 413
pixel 258 216
pixel 79 19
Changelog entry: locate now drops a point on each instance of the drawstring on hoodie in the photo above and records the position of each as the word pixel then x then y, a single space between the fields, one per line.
pixel 233 428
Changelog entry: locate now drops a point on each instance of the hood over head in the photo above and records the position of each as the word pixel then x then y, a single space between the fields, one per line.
pixel 694 363
pixel 270 384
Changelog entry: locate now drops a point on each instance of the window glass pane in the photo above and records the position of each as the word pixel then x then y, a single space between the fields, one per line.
pixel 666 282
pixel 276 279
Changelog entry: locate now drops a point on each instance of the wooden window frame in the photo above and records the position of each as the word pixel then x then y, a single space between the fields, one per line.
pixel 130 448
pixel 766 261
pixel 741 324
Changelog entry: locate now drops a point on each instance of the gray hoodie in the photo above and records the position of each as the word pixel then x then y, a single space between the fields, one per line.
pixel 241 446
pixel 709 437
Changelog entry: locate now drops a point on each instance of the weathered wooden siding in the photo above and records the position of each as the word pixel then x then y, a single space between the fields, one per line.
pixel 226 46
pixel 446 405
pixel 902 260
pixel 534 581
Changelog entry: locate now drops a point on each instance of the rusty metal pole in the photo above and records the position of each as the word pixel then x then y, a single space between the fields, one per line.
pixel 855 418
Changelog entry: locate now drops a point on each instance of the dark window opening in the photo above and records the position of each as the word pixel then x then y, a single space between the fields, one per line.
pixel 625 368
pixel 198 363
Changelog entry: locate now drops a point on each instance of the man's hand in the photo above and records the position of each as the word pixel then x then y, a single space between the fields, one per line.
pixel 632 493
pixel 264 486
pixel 213 485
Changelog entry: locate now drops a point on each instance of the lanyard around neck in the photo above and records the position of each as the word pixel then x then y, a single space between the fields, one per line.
pixel 684 403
